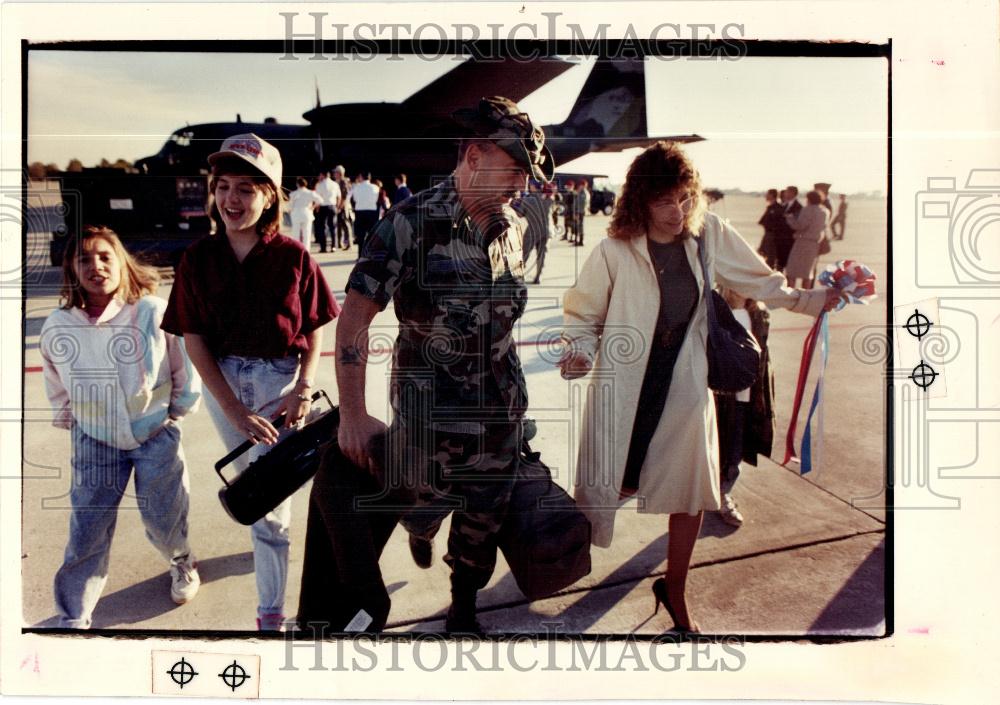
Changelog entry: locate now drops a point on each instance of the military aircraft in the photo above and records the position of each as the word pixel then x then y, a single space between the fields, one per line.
pixel 609 115
pixel 416 137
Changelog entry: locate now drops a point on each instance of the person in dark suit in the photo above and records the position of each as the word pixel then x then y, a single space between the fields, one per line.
pixel 569 212
pixel 784 234
pixel 773 221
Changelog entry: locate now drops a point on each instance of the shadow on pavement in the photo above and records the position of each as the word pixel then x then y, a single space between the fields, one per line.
pixel 860 604
pixel 151 598
pixel 714 526
pixel 601 598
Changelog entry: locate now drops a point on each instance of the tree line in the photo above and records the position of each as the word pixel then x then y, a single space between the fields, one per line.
pixel 38 170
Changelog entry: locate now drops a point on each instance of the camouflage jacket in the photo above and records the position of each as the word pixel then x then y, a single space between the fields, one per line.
pixel 457 292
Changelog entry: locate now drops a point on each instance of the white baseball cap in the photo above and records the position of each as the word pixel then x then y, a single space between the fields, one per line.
pixel 260 154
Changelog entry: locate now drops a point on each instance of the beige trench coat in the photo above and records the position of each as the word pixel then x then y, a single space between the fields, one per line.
pixel 610 315
pixel 810 227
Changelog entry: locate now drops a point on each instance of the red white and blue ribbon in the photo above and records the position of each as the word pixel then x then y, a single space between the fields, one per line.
pixel 812 448
pixel 856 283
pixel 818 330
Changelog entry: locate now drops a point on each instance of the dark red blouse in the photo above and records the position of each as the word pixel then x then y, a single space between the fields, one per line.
pixel 261 307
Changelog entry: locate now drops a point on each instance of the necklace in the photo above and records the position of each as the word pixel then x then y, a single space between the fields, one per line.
pixel 660 248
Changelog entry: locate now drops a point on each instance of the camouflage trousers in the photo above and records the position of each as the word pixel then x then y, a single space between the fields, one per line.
pixel 465 469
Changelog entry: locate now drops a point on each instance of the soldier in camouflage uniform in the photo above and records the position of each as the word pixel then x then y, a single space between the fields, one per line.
pixel 450 260
pixel 535 209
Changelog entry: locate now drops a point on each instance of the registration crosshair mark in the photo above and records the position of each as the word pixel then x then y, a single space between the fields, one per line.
pixel 918 325
pixel 923 375
pixel 234 675
pixel 182 673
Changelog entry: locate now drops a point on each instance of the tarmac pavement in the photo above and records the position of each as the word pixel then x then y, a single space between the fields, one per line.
pixel 810 559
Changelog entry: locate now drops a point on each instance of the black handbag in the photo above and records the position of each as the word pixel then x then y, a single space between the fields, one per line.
pixel 544 537
pixel 275 476
pixel 733 353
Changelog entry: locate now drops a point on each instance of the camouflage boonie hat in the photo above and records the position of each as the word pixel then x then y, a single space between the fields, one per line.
pixel 500 120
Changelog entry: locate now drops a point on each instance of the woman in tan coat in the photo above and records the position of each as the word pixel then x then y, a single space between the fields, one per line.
pixel 636 319
pixel 810 227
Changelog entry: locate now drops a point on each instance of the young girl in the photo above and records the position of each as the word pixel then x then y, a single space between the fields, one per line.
pixel 250 304
pixel 121 385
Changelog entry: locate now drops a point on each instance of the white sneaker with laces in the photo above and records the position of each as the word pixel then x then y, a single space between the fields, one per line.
pixel 729 513
pixel 184 581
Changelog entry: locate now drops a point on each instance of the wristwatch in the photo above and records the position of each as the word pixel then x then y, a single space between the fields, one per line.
pixel 303 383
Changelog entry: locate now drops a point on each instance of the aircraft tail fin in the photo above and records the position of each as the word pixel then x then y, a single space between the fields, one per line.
pixel 612 102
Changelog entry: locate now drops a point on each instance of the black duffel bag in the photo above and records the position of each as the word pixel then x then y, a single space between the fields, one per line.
pixel 544 537
pixel 275 476
pixel 733 352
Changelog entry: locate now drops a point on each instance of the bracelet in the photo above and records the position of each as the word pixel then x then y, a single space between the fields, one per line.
pixel 303 397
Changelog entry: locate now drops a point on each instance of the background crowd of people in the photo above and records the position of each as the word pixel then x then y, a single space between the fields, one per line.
pixel 338 211
pixel 796 235
pixel 343 212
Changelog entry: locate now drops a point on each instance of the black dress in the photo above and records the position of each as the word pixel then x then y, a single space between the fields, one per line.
pixel 678 298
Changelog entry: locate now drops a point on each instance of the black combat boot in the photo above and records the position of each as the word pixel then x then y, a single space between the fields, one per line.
pixel 422 550
pixel 461 617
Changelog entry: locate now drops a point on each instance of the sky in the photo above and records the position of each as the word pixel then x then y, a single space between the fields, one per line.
pixel 768 122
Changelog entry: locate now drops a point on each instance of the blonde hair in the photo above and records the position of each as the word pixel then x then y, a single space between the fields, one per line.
pixel 137 279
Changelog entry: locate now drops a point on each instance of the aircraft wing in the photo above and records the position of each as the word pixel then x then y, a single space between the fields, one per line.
pixel 617 144
pixel 464 85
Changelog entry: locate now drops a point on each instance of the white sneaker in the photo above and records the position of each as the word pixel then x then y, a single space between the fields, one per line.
pixel 729 513
pixel 184 581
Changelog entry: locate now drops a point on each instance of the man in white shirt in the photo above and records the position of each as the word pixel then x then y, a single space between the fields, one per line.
pixel 364 195
pixel 329 194
pixel 302 203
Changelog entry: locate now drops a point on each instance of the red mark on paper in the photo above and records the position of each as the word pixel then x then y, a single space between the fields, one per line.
pixel 937 62
pixel 919 630
pixel 33 659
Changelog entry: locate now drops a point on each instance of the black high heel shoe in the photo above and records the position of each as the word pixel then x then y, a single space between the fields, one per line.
pixel 661 597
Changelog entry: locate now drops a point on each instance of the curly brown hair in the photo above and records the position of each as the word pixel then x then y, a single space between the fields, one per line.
pixel 662 168
pixel 137 279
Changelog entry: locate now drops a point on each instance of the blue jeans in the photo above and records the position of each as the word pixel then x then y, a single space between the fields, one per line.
pixel 100 475
pixel 260 384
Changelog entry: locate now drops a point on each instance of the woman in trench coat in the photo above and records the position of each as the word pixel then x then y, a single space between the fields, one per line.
pixel 810 228
pixel 635 320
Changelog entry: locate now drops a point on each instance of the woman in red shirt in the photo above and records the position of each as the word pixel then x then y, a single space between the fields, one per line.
pixel 250 304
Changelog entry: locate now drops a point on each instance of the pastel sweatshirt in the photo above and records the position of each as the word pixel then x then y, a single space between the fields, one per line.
pixel 119 377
